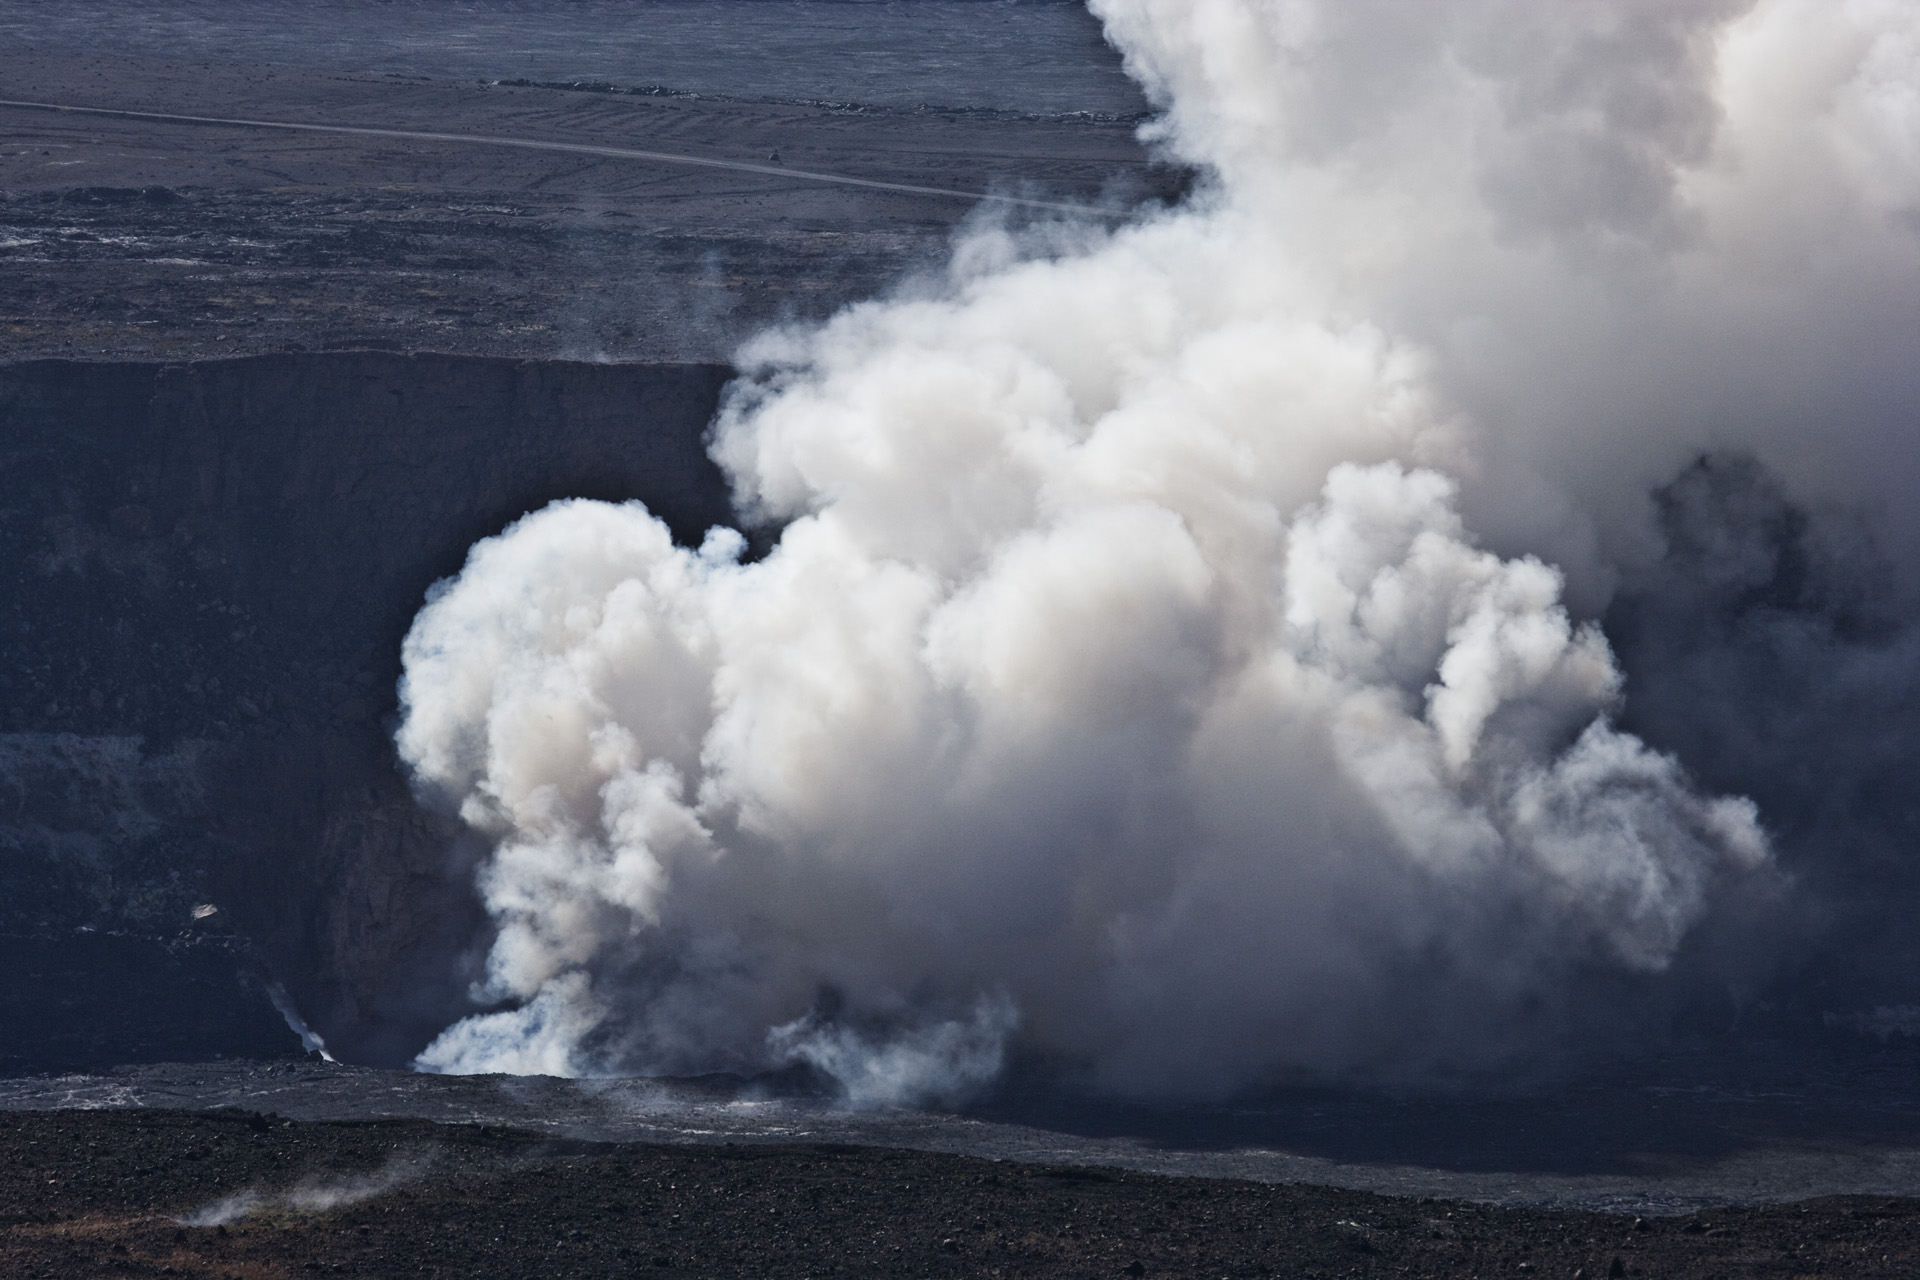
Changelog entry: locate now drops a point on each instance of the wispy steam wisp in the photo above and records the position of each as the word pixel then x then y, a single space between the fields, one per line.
pixel 314 1194
pixel 1180 646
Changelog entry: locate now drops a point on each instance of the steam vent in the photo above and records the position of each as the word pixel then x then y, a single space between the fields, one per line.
pixel 262 389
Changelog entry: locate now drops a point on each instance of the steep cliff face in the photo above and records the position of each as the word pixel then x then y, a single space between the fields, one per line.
pixel 208 570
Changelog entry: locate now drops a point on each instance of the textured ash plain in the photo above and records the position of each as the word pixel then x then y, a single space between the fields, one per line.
pixel 146 243
pixel 127 239
pixel 124 1193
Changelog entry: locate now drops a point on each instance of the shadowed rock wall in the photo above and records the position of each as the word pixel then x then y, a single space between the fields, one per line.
pixel 208 569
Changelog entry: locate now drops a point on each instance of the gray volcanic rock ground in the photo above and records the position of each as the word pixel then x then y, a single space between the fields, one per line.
pixel 1625 1146
pixel 241 1193
pixel 1045 57
pixel 131 239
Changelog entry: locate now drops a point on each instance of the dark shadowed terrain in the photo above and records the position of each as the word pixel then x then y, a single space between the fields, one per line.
pixel 235 1193
pixel 209 570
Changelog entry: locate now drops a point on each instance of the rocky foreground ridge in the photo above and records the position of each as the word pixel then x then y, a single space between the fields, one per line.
pixel 239 1193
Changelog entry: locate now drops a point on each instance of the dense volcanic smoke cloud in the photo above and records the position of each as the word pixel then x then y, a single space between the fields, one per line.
pixel 1180 661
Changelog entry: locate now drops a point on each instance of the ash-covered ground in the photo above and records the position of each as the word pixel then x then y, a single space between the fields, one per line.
pixel 241 1192
pixel 138 239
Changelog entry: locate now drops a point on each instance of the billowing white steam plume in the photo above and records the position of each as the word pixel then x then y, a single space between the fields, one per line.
pixel 1164 669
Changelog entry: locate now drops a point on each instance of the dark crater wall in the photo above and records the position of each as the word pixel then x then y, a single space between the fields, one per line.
pixel 208 571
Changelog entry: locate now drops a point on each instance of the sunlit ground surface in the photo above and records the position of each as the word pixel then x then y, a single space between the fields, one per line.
pixel 1044 58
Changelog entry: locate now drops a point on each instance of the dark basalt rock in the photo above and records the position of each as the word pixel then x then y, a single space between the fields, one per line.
pixel 208 571
pixel 232 1192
